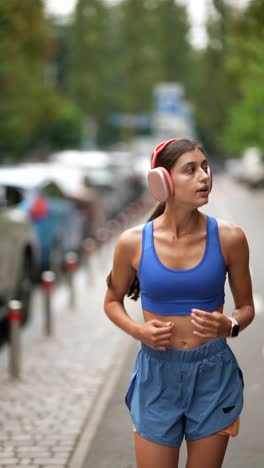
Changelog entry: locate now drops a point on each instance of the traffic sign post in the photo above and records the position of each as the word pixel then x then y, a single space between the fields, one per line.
pixel 172 113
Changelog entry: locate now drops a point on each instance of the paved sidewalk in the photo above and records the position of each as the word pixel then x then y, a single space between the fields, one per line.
pixel 43 415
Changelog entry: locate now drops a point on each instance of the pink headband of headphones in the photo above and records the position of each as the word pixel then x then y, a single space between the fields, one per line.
pixel 160 147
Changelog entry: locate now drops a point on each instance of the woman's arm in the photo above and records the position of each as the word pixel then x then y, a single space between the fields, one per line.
pixel 240 278
pixel 121 277
pixel 213 325
pixel 154 333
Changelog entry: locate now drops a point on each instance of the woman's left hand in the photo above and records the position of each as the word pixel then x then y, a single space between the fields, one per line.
pixel 210 324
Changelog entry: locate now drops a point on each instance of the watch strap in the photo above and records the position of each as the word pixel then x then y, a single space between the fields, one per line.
pixel 234 322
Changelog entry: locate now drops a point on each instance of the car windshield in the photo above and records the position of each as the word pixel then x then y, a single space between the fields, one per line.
pixel 100 175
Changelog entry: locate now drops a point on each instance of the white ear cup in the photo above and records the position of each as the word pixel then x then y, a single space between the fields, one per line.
pixel 160 184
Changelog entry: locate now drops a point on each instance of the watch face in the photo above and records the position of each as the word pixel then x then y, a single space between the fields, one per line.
pixel 235 330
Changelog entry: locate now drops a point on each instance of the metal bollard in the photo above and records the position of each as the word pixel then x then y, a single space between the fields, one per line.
pixel 114 227
pixel 124 219
pixel 88 249
pixel 102 236
pixel 71 263
pixel 132 213
pixel 48 280
pixel 14 317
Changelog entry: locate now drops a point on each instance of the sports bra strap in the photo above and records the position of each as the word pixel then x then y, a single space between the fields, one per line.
pixel 147 235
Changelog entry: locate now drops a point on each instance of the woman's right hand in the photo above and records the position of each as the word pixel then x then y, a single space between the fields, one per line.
pixel 155 334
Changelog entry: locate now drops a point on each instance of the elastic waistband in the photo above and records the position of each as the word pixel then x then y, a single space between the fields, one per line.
pixel 187 355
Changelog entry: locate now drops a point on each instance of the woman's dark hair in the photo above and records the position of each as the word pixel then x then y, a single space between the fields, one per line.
pixel 166 158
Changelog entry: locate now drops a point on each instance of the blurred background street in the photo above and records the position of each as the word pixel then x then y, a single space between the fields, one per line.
pixel 87 90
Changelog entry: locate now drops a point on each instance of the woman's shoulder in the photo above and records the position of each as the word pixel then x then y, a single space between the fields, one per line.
pixel 131 238
pixel 231 234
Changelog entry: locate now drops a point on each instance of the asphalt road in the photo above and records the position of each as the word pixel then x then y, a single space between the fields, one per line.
pixel 112 445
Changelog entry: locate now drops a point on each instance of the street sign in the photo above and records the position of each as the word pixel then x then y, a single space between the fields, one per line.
pixel 172 114
pixel 168 99
pixel 140 121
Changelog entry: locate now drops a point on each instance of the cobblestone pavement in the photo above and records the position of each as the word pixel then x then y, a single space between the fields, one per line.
pixel 44 412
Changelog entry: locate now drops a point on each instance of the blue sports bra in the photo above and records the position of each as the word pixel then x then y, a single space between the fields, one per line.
pixel 166 291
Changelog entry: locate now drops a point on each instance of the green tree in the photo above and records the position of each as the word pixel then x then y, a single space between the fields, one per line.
pixel 154 36
pixel 88 59
pixel 153 47
pixel 246 61
pixel 66 129
pixel 172 42
pixel 25 90
pixel 138 56
pixel 246 119
pixel 119 52
pixel 213 91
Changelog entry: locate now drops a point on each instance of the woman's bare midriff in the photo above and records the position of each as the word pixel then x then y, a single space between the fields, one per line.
pixel 182 335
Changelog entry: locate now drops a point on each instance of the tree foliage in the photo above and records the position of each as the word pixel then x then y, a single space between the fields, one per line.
pixel 24 89
pixel 172 41
pixel 231 70
pixel 88 57
pixel 118 53
pixel 106 60
pixel 246 61
pixel 212 90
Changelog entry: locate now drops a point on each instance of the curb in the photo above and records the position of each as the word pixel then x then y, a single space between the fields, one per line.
pixel 94 417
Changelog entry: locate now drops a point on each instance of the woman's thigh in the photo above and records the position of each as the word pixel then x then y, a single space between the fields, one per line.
pixel 208 452
pixel 151 455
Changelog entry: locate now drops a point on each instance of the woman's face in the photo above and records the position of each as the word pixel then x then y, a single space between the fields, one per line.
pixel 191 178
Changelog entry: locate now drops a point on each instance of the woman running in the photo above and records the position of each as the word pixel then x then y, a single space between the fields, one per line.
pixel 186 381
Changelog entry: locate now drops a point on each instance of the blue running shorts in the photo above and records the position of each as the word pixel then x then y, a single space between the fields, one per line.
pixel 184 393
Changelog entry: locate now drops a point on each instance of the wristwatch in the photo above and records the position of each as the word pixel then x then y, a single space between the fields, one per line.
pixel 235 327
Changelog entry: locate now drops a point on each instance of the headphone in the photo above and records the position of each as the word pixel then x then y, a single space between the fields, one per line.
pixel 159 180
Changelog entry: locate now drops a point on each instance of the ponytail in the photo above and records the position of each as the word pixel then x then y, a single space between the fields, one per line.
pixel 159 210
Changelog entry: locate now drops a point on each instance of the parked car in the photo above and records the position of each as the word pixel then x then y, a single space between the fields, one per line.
pixel 100 174
pixel 249 169
pixel 84 195
pixel 127 166
pixel 19 254
pixel 252 167
pixel 57 223
pixel 76 188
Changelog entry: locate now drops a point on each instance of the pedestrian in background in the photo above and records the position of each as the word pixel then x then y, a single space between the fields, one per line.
pixel 186 381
